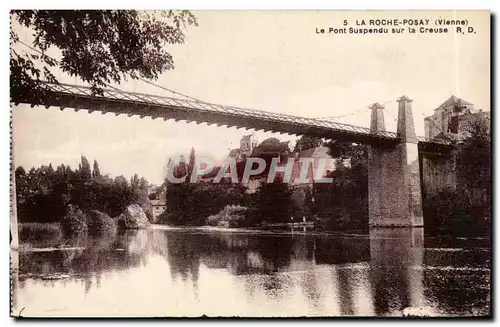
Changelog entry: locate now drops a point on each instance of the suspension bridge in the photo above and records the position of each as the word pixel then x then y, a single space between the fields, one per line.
pixel 113 100
pixel 394 161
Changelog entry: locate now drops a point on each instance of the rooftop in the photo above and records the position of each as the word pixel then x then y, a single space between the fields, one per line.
pixel 452 101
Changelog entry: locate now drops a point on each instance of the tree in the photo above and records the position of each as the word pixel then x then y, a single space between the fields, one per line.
pixel 307 142
pixel 139 190
pixel 468 208
pixel 96 173
pixel 474 156
pixel 191 163
pixel 98 46
pixel 343 204
pixel 134 182
pixel 356 153
pixel 85 170
pixel 271 144
pixel 271 148
pixel 45 194
pixel 274 202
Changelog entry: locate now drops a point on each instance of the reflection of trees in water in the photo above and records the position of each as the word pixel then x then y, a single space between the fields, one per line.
pixel 263 256
pixel 341 250
pixel 183 256
pixel 87 264
pixel 311 289
pixel 270 263
pixel 239 254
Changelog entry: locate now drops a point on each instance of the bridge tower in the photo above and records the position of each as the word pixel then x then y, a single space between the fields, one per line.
pixel 395 198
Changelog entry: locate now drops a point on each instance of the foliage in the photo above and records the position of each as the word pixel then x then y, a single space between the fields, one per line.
pixel 474 157
pixel 44 194
pixel 450 211
pixel 40 235
pixel 100 223
pixel 466 209
pixel 157 192
pixel 303 204
pixel 357 154
pixel 191 163
pixel 74 222
pixel 270 146
pixel 84 169
pixel 139 189
pixel 96 173
pixel 343 204
pixel 273 203
pixel 98 46
pixel 176 199
pixel 191 204
pixel 307 142
pixel 230 216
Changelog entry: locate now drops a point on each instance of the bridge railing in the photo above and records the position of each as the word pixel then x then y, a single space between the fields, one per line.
pixel 165 101
pixel 150 99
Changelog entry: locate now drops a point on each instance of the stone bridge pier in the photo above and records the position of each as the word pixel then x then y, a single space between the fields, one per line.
pixel 394 186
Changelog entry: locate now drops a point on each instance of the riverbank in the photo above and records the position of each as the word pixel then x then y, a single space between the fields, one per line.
pixel 50 236
pixel 261 231
pixel 42 234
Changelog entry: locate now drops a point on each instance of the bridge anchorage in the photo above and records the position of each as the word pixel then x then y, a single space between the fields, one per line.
pixel 395 160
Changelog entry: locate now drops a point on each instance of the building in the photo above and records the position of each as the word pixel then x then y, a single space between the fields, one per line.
pixel 158 201
pixel 453 119
pixel 159 207
pixel 247 144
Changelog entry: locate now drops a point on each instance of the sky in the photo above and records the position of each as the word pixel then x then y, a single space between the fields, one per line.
pixel 271 61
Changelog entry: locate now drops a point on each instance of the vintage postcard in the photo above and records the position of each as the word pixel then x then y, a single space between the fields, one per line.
pixel 250 163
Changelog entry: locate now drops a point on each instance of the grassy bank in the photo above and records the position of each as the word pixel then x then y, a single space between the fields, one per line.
pixel 74 228
pixel 77 228
pixel 40 234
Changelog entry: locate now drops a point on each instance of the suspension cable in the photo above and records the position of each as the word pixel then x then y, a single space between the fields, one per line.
pixel 351 113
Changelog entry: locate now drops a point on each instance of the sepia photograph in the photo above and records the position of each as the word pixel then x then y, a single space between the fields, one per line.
pixel 250 164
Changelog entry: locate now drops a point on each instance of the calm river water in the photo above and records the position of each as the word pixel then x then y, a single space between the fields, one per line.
pixel 191 272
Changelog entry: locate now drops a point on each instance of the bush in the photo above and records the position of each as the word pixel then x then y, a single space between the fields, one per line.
pixel 74 222
pixel 100 223
pixel 230 216
pixel 40 234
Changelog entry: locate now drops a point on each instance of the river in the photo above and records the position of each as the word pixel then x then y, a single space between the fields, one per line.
pixel 194 272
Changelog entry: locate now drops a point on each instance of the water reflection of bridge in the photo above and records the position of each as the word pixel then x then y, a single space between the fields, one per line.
pixel 377 274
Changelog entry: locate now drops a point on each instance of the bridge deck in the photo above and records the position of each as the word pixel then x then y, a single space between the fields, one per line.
pixel 146 105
